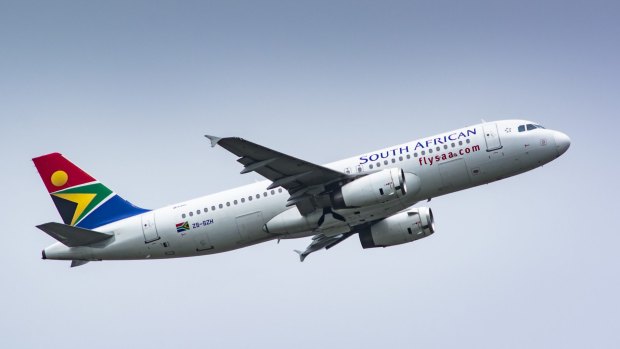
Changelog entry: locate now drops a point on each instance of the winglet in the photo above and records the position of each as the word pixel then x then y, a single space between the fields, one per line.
pixel 214 140
pixel 78 262
pixel 302 255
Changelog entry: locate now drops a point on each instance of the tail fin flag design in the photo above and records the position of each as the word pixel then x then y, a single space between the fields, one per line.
pixel 79 198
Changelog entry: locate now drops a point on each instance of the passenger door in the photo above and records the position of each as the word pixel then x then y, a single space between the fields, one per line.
pixel 149 229
pixel 491 136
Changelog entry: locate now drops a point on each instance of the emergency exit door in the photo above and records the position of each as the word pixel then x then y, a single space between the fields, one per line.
pixel 148 227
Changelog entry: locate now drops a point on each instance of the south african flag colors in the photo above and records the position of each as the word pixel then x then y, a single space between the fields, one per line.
pixel 79 198
pixel 181 227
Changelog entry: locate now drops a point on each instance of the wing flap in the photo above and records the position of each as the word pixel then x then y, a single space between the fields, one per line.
pixel 73 236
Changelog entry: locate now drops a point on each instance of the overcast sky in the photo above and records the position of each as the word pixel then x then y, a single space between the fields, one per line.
pixel 126 89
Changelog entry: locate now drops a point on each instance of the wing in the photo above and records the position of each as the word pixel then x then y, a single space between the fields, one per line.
pixel 302 179
pixel 321 241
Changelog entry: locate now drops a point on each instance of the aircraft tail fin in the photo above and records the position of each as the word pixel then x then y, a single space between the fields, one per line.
pixel 80 199
pixel 73 236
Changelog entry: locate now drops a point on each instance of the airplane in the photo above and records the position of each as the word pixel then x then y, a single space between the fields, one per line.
pixel 371 195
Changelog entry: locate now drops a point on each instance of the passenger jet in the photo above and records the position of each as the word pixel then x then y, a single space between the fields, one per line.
pixel 371 195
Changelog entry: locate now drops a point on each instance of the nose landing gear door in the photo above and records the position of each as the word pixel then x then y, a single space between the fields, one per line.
pixel 491 136
pixel 148 227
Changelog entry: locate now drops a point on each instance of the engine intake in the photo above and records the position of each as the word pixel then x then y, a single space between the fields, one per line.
pixel 375 188
pixel 399 229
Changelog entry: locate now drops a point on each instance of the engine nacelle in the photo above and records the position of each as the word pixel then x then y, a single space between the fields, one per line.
pixel 375 188
pixel 399 229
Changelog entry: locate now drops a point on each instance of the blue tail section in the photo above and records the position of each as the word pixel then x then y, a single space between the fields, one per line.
pixel 115 209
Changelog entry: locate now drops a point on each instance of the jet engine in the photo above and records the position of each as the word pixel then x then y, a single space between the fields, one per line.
pixel 375 188
pixel 399 229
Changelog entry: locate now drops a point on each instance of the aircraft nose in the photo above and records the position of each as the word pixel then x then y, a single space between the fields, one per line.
pixel 562 142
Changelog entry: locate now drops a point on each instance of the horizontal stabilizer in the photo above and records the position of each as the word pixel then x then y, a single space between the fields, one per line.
pixel 73 236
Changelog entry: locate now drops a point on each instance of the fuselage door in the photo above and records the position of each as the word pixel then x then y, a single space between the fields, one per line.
pixel 491 136
pixel 148 227
pixel 250 226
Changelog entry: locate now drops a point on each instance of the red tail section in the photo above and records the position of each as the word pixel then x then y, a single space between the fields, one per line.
pixel 59 173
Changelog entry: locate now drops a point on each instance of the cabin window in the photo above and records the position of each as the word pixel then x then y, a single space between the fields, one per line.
pixel 415 155
pixel 468 141
pixel 212 208
pixel 370 166
pixel 228 204
pixel 249 198
pixel 235 202
pixel 183 215
pixel 430 151
pixel 265 194
pixel 393 160
pixel 423 152
pixel 438 148
pixel 273 192
pixel 191 214
pixel 242 200
pixel 378 164
pixel 460 142
pixel 385 162
pixel 258 196
pixel 445 146
pixel 453 145
pixel 197 211
pixel 279 190
pixel 221 206
pixel 408 156
pixel 400 158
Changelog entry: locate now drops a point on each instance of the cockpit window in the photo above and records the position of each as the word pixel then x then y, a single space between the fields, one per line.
pixel 522 128
pixel 533 127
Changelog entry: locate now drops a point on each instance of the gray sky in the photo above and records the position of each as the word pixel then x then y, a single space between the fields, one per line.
pixel 127 89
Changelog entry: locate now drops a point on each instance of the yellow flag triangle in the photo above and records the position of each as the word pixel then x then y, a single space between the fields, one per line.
pixel 82 201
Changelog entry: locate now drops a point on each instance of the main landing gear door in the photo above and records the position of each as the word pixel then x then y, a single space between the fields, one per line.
pixel 148 227
pixel 491 136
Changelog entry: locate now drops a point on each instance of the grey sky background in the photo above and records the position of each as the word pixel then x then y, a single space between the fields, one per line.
pixel 126 89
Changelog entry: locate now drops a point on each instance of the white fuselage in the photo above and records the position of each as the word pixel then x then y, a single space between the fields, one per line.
pixel 235 218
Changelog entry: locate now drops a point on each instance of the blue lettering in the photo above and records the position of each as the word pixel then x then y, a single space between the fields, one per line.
pixel 363 160
pixel 450 137
pixel 387 153
pixel 471 132
pixel 406 149
pixel 418 145
pixel 376 156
